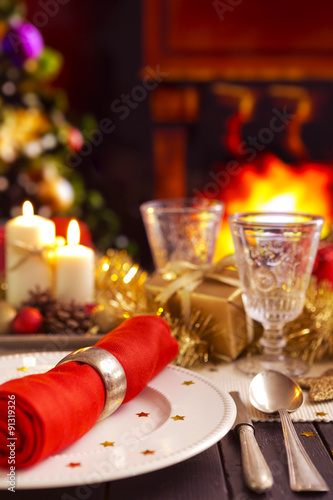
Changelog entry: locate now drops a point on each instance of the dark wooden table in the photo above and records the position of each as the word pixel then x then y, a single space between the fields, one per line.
pixel 215 474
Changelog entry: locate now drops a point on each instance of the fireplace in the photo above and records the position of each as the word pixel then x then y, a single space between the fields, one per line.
pixel 269 184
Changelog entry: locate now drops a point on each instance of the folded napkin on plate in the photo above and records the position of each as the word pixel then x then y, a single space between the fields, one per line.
pixel 56 408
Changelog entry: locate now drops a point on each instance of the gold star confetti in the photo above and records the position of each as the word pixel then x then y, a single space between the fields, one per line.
pixel 188 382
pixel 321 388
pixel 148 452
pixel 142 414
pixel 307 434
pixel 178 417
pixel 74 464
pixel 22 369
pixel 320 414
pixel 107 443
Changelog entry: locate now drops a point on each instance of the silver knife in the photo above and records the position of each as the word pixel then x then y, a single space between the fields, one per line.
pixel 257 474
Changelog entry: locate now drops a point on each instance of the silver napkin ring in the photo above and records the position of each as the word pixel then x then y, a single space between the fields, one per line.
pixel 109 369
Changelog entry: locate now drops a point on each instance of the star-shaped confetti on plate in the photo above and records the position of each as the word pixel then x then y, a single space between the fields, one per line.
pixel 148 452
pixel 142 414
pixel 22 369
pixel 74 464
pixel 188 382
pixel 307 434
pixel 178 417
pixel 107 443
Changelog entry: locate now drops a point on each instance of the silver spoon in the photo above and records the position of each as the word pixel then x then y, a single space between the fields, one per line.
pixel 271 392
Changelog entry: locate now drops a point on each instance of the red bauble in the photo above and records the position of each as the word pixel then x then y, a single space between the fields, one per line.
pixel 323 267
pixel 89 308
pixel 27 320
pixel 75 139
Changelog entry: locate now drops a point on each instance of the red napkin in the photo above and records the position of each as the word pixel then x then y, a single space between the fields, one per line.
pixel 56 408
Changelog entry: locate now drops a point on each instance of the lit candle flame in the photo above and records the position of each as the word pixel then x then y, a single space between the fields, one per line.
pixel 73 233
pixel 27 209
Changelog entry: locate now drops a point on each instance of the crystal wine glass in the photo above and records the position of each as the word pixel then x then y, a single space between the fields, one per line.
pixel 275 253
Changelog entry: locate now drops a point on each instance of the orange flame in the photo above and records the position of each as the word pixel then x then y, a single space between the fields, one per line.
pixel 277 187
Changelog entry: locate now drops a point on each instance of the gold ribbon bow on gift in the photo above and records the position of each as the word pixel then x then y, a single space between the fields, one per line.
pixel 187 276
pixel 30 251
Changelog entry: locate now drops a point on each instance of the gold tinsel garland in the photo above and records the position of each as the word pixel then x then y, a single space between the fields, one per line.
pixel 310 336
pixel 192 338
pixel 120 293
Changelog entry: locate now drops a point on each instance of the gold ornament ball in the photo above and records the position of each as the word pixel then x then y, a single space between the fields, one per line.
pixel 104 317
pixel 56 192
pixel 7 314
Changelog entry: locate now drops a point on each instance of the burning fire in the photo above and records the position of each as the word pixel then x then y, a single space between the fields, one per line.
pixel 274 186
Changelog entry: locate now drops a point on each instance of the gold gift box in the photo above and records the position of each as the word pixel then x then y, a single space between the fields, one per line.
pixel 220 301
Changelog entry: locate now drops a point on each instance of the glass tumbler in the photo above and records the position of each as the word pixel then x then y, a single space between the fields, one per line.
pixel 182 229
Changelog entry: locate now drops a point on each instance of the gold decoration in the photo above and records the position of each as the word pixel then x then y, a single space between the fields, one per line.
pixel 188 382
pixel 310 335
pixel 120 294
pixel 19 128
pixel 219 303
pixel 321 388
pixel 321 414
pixel 307 434
pixel 107 443
pixel 7 314
pixel 148 452
pixel 104 319
pixel 142 414
pixel 194 346
pixel 178 417
pixel 22 369
pixel 3 287
pixel 189 276
pixel 120 291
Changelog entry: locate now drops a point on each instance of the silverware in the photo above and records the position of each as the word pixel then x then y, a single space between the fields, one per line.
pixel 271 392
pixel 256 472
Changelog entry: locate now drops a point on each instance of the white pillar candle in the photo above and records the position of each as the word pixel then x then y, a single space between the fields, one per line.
pixel 75 269
pixel 27 254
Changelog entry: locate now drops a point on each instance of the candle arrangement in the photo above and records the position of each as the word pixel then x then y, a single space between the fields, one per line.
pixel 45 274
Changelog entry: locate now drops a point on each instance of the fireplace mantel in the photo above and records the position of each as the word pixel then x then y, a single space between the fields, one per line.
pixel 194 42
pixel 200 40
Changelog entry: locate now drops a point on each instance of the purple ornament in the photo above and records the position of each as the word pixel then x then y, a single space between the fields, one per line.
pixel 22 41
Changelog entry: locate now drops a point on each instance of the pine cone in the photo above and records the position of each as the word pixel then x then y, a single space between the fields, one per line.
pixel 59 317
pixel 40 299
pixel 67 317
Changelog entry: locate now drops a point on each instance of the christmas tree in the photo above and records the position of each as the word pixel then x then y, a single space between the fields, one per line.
pixel 37 141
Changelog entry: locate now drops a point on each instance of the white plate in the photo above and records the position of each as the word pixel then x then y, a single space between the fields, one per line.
pixel 141 444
